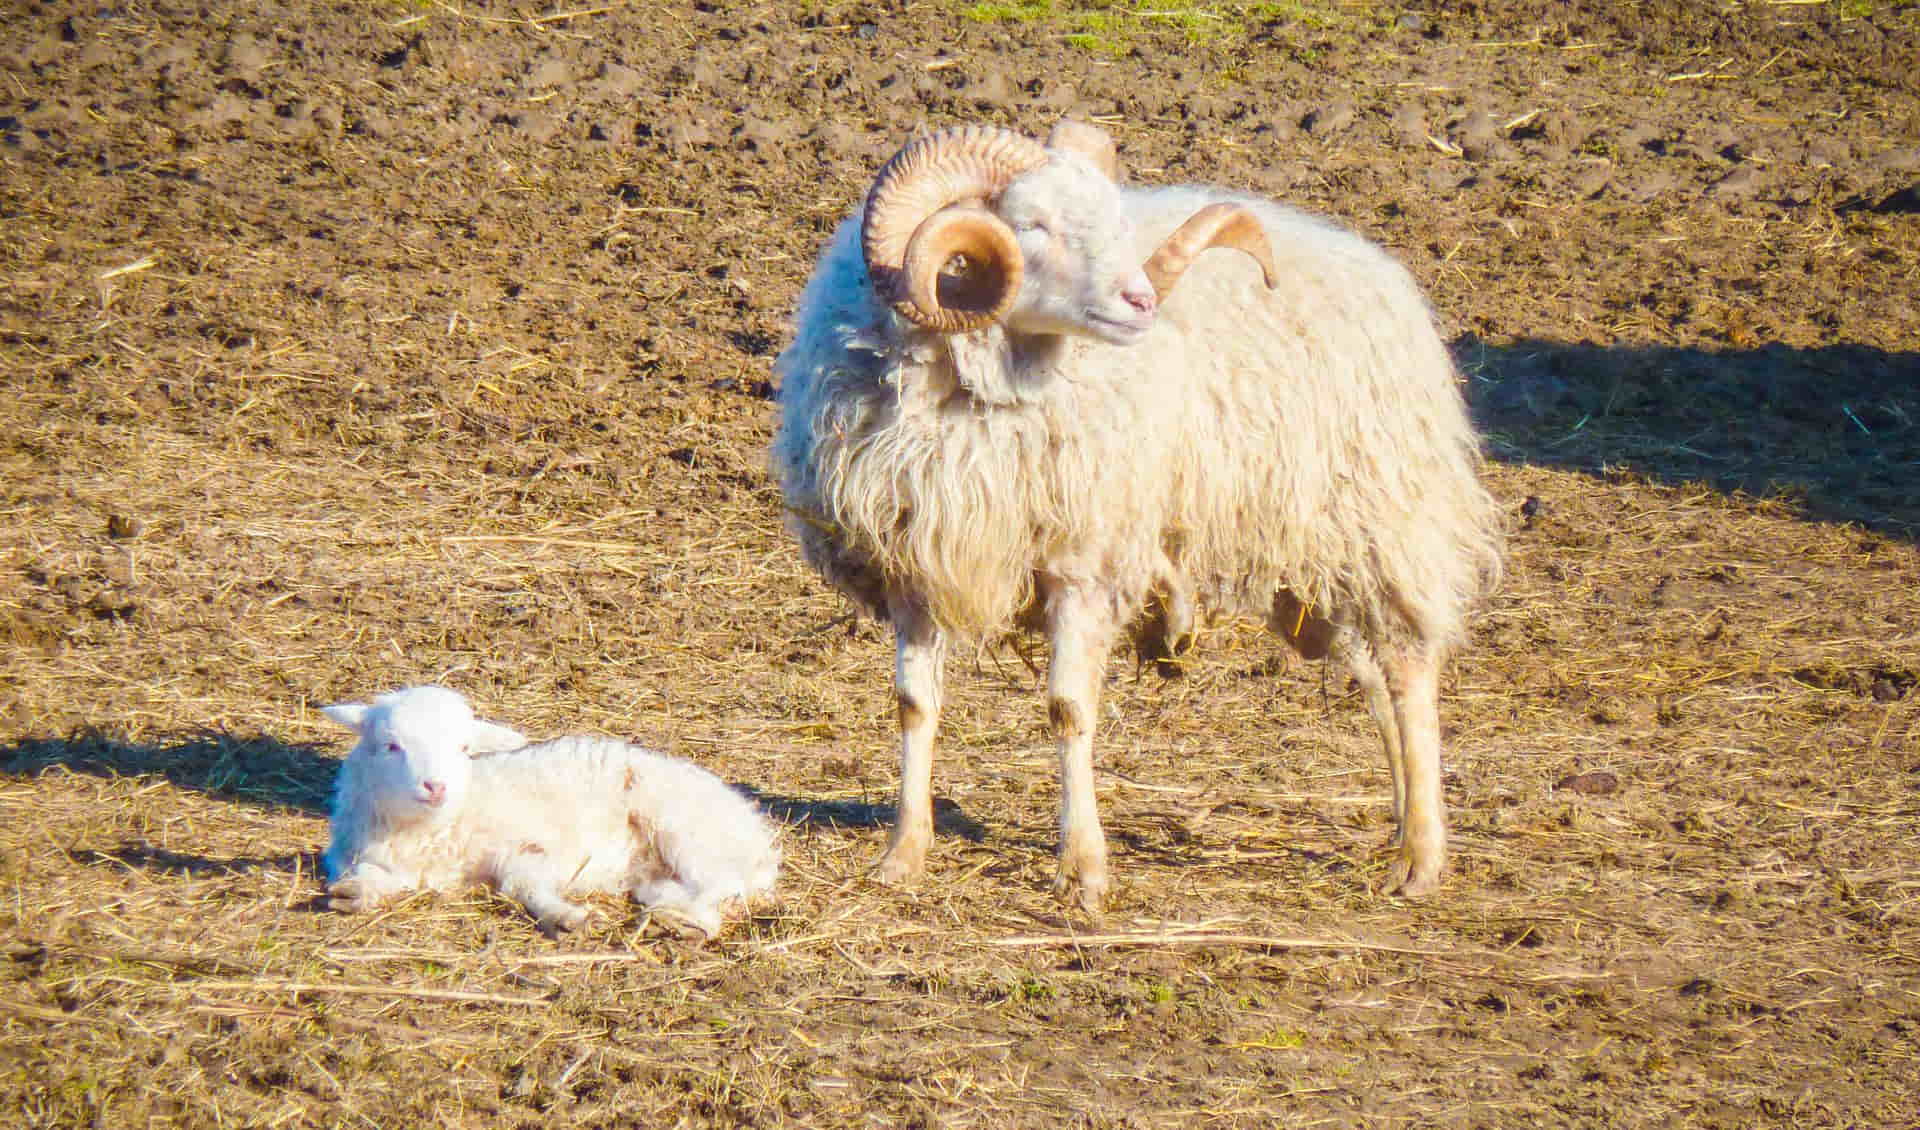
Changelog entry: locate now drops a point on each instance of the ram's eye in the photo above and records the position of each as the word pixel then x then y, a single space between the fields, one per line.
pixel 393 747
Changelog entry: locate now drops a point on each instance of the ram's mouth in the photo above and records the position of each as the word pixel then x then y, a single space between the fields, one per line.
pixel 1120 331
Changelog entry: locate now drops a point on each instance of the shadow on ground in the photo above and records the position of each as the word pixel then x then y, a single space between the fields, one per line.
pixel 257 770
pixel 143 856
pixel 1834 431
pixel 949 819
pixel 265 771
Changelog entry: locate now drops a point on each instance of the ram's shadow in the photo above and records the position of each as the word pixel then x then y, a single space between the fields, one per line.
pixel 255 769
pixel 810 814
pixel 1834 430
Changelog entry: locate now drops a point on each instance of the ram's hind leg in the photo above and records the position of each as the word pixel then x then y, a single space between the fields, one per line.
pixel 1166 632
pixel 1401 688
pixel 1412 675
pixel 918 681
pixel 1373 687
pixel 1081 629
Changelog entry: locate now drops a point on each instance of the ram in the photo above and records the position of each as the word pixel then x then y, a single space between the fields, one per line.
pixel 1020 392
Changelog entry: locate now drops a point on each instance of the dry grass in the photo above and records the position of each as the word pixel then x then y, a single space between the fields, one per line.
pixel 270 470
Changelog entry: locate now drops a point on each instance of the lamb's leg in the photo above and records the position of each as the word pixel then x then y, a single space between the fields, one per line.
pixel 1413 682
pixel 1081 633
pixel 363 887
pixel 700 909
pixel 918 677
pixel 542 898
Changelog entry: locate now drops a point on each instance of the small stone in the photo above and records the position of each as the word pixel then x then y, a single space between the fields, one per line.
pixel 989 91
pixel 244 57
pixel 617 81
pixel 552 72
pixel 1410 126
pixel 1479 137
pixel 1905 159
pixel 1742 182
pixel 1329 120
pixel 1591 182
pixel 1595 782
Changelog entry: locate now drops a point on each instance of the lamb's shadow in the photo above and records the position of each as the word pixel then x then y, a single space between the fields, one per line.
pixel 251 769
pixel 143 856
pixel 1835 430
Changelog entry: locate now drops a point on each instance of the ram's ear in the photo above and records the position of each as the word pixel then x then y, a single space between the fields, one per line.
pixel 491 737
pixel 348 714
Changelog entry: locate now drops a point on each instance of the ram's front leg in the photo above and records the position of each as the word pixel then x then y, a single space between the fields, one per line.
pixel 919 663
pixel 1080 631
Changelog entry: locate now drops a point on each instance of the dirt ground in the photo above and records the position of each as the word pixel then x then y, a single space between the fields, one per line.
pixel 352 345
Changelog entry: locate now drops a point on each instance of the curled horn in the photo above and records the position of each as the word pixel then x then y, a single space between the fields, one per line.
pixel 1090 141
pixel 912 229
pixel 1216 225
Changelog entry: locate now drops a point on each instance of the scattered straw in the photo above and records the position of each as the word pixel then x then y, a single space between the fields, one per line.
pixel 365 991
pixel 1185 938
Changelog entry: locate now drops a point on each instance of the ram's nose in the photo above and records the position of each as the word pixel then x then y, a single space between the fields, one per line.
pixel 1139 294
pixel 433 793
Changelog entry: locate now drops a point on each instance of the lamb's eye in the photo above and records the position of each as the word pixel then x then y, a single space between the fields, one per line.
pixel 393 747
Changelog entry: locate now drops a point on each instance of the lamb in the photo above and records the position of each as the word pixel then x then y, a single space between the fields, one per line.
pixel 433 798
pixel 998 410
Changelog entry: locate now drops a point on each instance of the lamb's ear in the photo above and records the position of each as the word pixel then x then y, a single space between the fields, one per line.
pixel 348 714
pixel 491 737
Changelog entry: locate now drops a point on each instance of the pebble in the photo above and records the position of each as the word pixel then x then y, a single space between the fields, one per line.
pixel 1329 120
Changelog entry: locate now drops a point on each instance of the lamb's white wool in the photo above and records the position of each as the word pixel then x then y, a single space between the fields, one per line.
pixel 433 798
pixel 1298 452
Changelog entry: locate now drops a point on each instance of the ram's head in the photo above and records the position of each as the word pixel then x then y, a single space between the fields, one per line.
pixel 977 225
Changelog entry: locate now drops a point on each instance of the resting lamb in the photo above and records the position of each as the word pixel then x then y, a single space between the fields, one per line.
pixel 433 798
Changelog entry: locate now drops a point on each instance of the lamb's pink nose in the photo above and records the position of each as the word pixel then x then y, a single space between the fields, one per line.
pixel 433 793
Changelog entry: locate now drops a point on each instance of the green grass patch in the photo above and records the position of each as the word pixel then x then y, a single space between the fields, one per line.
pixel 1115 29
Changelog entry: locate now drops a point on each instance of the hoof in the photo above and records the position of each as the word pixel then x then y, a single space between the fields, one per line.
pixel 349 896
pixel 1087 893
pixel 564 922
pixel 896 869
pixel 685 923
pixel 1408 881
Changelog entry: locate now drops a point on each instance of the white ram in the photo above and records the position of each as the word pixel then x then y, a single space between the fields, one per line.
pixel 997 408
pixel 433 798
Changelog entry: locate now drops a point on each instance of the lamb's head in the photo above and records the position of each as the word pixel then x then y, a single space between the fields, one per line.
pixel 413 763
pixel 977 225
